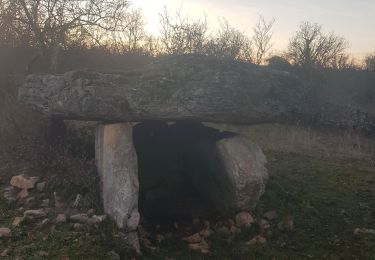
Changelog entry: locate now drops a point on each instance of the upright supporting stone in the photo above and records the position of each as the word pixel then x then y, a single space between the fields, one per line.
pixel 117 166
pixel 244 166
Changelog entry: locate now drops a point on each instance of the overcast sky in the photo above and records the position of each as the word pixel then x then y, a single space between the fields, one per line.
pixel 353 19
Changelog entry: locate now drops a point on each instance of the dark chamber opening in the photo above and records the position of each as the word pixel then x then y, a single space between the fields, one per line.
pixel 179 172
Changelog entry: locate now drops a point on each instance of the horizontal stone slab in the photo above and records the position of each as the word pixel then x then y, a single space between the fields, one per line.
pixel 174 88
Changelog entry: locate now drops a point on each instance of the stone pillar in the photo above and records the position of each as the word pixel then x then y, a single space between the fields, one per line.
pixel 118 168
pixel 244 166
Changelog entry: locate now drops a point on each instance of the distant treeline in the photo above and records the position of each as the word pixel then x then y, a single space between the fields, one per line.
pixel 50 28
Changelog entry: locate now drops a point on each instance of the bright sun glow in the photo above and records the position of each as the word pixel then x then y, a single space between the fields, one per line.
pixel 352 19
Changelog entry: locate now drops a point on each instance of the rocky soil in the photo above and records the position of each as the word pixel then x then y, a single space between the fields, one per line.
pixel 313 209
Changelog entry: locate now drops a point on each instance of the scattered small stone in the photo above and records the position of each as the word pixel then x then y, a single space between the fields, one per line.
pixel 78 201
pixel 270 215
pixel 61 218
pixel 91 212
pixel 5 232
pixel 18 221
pixel 78 226
pixel 363 231
pixel 95 220
pixel 45 203
pixel 287 224
pixel 80 218
pixel 44 223
pixel 23 182
pixel 202 246
pixel 205 232
pixel 58 201
pixel 35 213
pixel 4 253
pixel 41 186
pixel 264 224
pixel 23 194
pixel 195 238
pixel 244 219
pixel 257 240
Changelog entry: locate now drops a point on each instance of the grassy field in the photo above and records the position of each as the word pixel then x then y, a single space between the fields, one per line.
pixel 327 200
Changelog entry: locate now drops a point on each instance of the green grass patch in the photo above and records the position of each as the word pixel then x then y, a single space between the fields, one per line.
pixel 327 200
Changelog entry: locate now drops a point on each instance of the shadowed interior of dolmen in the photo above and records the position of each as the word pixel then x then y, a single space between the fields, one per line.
pixel 180 174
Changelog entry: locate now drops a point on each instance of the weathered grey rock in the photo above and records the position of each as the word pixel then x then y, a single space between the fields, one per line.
pixel 23 182
pixel 244 219
pixel 119 175
pixel 96 220
pixel 174 88
pixel 244 165
pixel 35 213
pixel 5 232
pixel 80 218
pixel 61 218
pixel 18 221
pixel 264 224
pixel 363 231
pixel 43 223
pixel 78 226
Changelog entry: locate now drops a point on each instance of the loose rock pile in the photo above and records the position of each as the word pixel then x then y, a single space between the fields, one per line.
pixel 37 210
pixel 199 234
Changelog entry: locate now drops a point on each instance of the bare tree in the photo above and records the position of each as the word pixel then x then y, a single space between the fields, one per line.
pixel 181 35
pixel 130 33
pixel 12 32
pixel 311 47
pixel 370 62
pixel 262 39
pixel 230 43
pixel 344 61
pixel 52 22
pixel 151 45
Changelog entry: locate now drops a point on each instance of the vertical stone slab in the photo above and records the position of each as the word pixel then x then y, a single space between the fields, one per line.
pixel 117 165
pixel 244 165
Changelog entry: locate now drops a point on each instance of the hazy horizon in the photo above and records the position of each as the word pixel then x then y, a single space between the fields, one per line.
pixel 347 18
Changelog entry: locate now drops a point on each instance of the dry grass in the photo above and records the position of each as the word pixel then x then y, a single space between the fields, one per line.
pixel 327 143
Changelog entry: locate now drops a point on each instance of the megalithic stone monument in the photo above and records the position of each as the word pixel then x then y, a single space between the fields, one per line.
pixel 189 88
